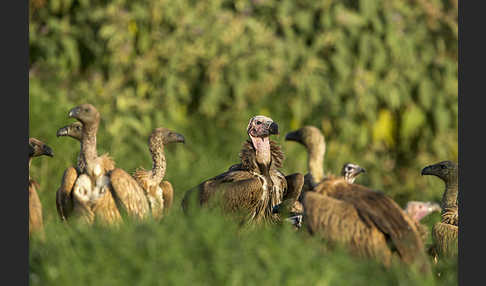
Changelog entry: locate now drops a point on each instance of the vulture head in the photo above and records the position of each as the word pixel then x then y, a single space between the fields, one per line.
pixel 259 129
pixel 39 148
pixel 85 113
pixel 163 136
pixel 418 210
pixel 351 171
pixel 73 130
pixel 446 170
pixel 309 136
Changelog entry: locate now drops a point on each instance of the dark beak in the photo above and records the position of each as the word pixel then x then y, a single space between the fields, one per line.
pixel 274 128
pixel 427 171
pixel 62 132
pixel 293 136
pixel 46 150
pixel 73 112
pixel 179 138
pixel 361 170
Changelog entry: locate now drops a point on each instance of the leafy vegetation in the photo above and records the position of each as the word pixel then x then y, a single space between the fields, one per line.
pixel 378 77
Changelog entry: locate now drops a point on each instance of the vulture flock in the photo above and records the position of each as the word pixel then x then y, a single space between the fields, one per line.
pixel 333 207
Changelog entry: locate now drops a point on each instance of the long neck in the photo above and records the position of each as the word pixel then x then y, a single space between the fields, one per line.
pixel 30 161
pixel 449 199
pixel 88 142
pixel 262 150
pixel 159 164
pixel 315 161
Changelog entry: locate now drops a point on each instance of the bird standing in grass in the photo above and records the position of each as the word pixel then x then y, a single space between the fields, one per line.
pixel 36 225
pixel 368 222
pixel 159 193
pixel 445 232
pixel 254 186
pixel 97 191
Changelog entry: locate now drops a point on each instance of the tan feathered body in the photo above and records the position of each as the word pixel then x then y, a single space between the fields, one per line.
pixel 36 224
pixel 363 219
pixel 35 210
pixel 100 191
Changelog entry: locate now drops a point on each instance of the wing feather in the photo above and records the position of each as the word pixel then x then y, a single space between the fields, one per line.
pixel 128 193
pixel 377 209
pixel 64 202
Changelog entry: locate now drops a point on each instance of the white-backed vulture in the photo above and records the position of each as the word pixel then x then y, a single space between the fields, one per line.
pixel 368 222
pixel 349 172
pixel 74 130
pixel 445 232
pixel 159 193
pixel 36 225
pixel 64 199
pixel 98 192
pixel 255 185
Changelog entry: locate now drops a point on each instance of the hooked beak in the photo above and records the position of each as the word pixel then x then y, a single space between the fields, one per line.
pixel 46 150
pixel 427 171
pixel 273 128
pixel 179 138
pixel 360 170
pixel 293 136
pixel 62 132
pixel 73 112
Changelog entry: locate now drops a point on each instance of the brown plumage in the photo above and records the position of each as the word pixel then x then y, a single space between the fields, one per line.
pixel 367 221
pixel 349 172
pixel 445 232
pixel 64 198
pixel 36 225
pixel 158 192
pixel 98 193
pixel 254 186
pixel 74 130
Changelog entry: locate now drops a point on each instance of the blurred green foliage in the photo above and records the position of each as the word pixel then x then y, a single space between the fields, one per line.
pixel 378 77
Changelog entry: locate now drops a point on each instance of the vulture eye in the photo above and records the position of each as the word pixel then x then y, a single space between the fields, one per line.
pixel 86 110
pixel 258 122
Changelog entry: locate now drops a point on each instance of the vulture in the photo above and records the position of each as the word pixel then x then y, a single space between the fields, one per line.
pixel 368 222
pixel 160 193
pixel 417 211
pixel 74 130
pixel 255 185
pixel 64 196
pixel 36 148
pixel 444 233
pixel 97 190
pixel 349 172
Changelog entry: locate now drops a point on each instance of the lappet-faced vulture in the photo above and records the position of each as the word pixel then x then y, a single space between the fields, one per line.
pixel 36 225
pixel 368 222
pixel 256 185
pixel 445 232
pixel 417 211
pixel 160 193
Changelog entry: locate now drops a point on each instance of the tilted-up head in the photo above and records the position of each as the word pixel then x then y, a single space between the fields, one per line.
pixel 163 136
pixel 308 136
pixel 85 113
pixel 261 126
pixel 39 148
pixel 446 170
pixel 73 130
pixel 418 210
pixel 351 171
